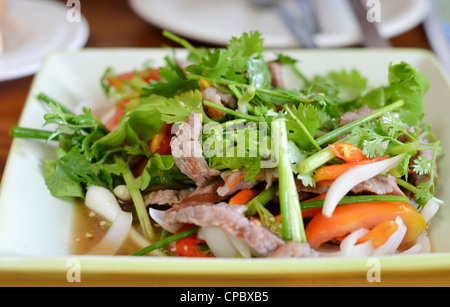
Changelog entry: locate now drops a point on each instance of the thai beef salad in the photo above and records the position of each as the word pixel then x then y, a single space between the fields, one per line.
pixel 212 155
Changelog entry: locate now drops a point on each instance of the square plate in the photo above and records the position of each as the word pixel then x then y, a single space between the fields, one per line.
pixel 36 228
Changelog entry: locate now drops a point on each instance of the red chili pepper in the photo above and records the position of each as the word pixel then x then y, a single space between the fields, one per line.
pixel 118 81
pixel 190 246
pixel 120 108
pixel 160 143
pixel 147 75
pixel 347 152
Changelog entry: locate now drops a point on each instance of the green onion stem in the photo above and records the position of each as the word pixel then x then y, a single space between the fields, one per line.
pixel 184 43
pixel 30 133
pixel 44 98
pixel 262 198
pixel 330 136
pixel 232 112
pixel 300 74
pixel 314 161
pixel 325 155
pixel 407 185
pixel 355 199
pixel 291 215
pixel 166 241
pixel 403 148
pixel 139 204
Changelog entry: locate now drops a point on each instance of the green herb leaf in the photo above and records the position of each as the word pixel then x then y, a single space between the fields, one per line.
pixel 304 117
pixel 409 84
pixel 177 109
pixel 172 81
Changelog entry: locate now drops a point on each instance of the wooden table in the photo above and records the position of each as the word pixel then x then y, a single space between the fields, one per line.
pixel 113 24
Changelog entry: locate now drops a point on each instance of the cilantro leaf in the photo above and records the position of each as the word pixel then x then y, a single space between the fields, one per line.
pixel 305 115
pixel 214 65
pixel 136 126
pixel 407 83
pixel 247 45
pixel 172 81
pixel 422 165
pixel 349 85
pixel 59 183
pixel 258 73
pixel 177 109
pixel 251 164
pixel 241 55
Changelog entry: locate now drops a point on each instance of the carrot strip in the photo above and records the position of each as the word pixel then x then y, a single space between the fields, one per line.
pixel 380 233
pixel 311 212
pixel 324 183
pixel 243 197
pixel 331 172
pixel 307 213
pixel 350 217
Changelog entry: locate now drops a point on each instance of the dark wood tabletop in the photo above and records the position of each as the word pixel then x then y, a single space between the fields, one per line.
pixel 113 24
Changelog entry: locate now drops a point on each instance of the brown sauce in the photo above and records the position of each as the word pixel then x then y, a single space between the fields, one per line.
pixel 89 228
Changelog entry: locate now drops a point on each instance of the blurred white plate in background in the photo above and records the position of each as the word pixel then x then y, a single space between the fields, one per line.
pixel 215 21
pixel 32 29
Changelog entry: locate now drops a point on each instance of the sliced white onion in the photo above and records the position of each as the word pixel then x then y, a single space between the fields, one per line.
pixel 424 241
pixel 423 245
pixel 158 217
pixel 217 240
pixel 243 248
pixel 430 209
pixel 122 192
pixel 349 248
pixel 102 202
pixel 116 235
pixel 354 176
pixel 394 241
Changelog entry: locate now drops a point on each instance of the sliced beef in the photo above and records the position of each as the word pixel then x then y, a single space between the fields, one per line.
pixel 268 175
pixel 182 64
pixel 201 196
pixel 215 95
pixel 232 220
pixel 309 189
pixel 166 197
pixel 235 180
pixel 349 117
pixel 276 74
pixel 294 250
pixel 220 98
pixel 187 151
pixel 379 185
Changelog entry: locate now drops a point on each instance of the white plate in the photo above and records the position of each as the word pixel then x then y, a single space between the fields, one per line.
pixel 35 228
pixel 215 21
pixel 32 29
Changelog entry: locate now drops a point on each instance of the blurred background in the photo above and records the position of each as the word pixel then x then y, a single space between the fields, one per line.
pixel 31 29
